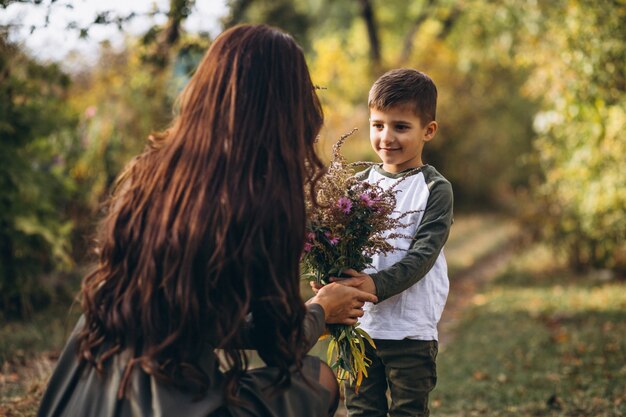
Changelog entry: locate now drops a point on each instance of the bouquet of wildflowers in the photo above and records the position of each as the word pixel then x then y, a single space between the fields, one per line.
pixel 350 223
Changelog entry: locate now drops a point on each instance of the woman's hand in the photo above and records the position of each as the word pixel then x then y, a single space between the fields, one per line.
pixel 342 303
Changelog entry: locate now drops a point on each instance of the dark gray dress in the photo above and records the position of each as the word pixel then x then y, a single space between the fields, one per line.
pixel 77 390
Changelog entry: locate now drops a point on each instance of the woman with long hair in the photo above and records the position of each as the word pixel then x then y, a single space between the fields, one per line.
pixel 198 255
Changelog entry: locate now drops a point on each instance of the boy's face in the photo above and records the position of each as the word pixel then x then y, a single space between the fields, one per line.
pixel 398 136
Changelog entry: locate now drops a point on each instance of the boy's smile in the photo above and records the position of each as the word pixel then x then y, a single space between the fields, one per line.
pixel 398 136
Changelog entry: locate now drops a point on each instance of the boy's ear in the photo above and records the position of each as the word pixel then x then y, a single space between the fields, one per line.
pixel 431 130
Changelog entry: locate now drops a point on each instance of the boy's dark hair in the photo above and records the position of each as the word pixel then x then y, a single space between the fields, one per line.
pixel 405 86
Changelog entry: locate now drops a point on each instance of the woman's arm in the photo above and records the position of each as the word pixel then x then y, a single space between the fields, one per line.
pixel 334 303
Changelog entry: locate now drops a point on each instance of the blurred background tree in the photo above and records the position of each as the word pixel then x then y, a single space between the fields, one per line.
pixel 579 71
pixel 531 109
pixel 572 55
pixel 35 124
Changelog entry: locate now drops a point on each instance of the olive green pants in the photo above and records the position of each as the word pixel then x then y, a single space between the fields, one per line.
pixel 407 368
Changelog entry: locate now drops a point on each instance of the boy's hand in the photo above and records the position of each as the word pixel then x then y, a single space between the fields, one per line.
pixel 358 280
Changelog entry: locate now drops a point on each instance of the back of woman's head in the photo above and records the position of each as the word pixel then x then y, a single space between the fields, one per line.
pixel 207 225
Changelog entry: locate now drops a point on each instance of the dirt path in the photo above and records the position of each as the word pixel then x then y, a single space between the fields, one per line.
pixel 465 285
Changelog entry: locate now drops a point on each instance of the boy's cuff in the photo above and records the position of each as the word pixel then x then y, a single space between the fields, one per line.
pixel 378 284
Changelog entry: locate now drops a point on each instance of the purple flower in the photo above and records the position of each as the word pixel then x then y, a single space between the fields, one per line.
pixel 367 200
pixel 333 240
pixel 345 204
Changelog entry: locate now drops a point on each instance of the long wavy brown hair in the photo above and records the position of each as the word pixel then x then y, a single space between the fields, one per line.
pixel 207 225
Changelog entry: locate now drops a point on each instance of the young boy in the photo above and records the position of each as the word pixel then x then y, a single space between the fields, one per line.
pixel 411 283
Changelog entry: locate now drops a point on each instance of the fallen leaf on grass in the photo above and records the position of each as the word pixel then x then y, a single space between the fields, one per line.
pixel 479 300
pixel 480 376
pixel 560 336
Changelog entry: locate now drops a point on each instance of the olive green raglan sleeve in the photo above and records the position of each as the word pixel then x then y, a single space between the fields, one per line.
pixel 429 238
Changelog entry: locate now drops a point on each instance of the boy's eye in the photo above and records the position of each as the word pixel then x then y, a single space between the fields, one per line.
pixel 377 125
pixel 402 127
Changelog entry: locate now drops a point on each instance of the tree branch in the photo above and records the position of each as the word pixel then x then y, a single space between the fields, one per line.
pixel 409 39
pixel 237 10
pixel 449 21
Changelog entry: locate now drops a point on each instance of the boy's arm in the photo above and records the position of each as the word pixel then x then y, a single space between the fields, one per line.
pixel 430 236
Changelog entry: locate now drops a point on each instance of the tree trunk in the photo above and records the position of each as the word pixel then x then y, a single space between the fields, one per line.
pixel 367 12
pixel 179 10
pixel 237 10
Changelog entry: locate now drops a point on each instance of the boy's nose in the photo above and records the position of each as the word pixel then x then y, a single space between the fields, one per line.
pixel 385 136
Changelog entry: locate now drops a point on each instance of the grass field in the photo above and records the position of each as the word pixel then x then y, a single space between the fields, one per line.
pixel 538 341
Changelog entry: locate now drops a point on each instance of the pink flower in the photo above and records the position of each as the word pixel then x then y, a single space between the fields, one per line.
pixel 308 247
pixel 344 204
pixel 90 112
pixel 310 236
pixel 367 200
pixel 333 240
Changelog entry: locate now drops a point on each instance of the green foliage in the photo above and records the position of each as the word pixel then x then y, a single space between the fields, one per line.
pixel 562 73
pixel 583 196
pixel 34 236
pixel 485 123
pixel 121 101
pixel 581 144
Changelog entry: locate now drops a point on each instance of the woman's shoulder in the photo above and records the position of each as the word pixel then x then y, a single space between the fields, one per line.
pixel 76 388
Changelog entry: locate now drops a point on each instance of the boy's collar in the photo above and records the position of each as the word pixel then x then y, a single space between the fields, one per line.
pixel 407 172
